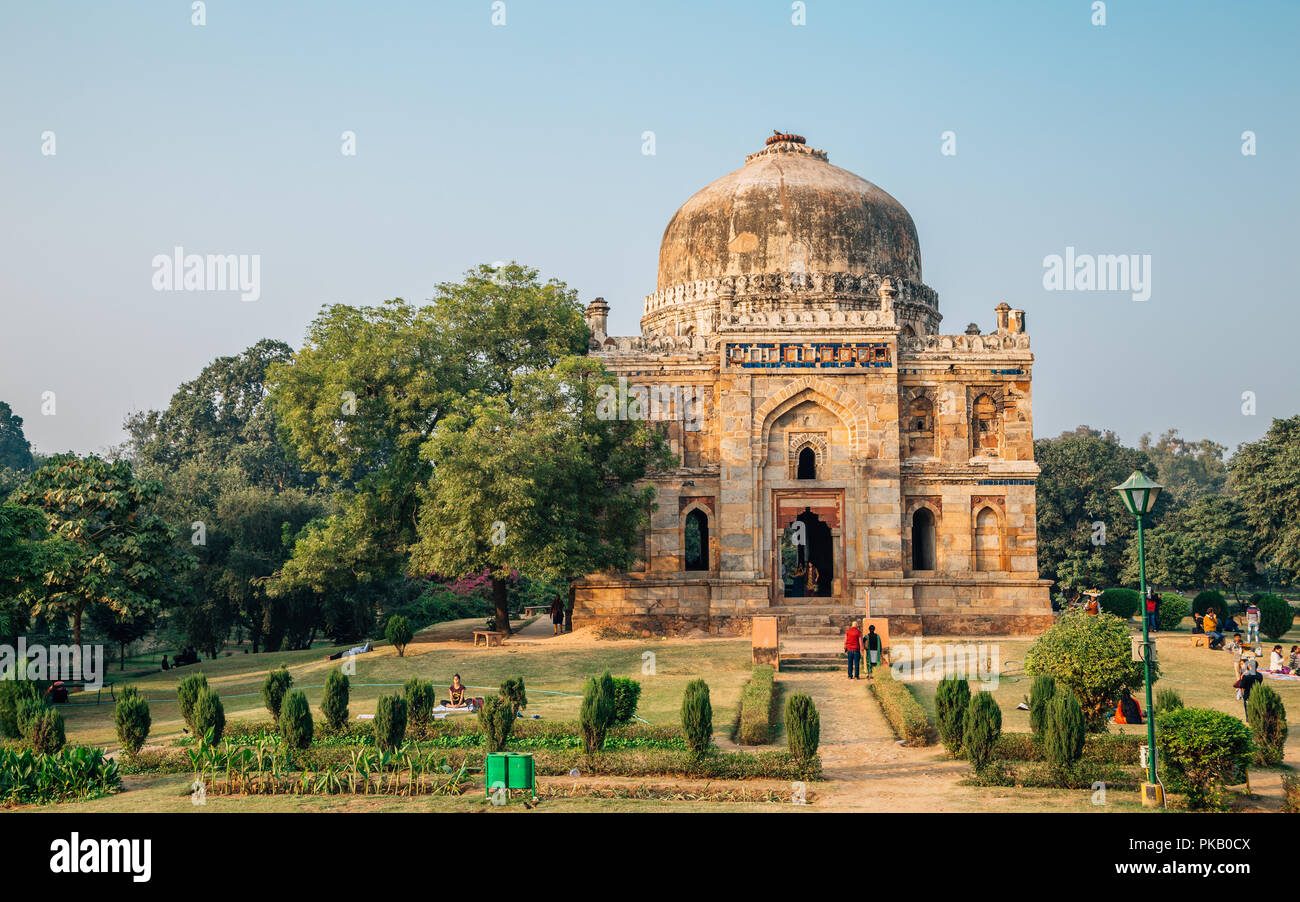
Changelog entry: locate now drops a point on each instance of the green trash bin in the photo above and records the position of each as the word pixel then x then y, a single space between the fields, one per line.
pixel 513 770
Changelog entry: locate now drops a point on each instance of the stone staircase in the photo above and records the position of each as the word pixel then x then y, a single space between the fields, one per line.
pixel 815 621
pixel 812 660
pixel 811 635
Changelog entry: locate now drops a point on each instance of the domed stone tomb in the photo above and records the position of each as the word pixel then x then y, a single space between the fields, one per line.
pixel 839 456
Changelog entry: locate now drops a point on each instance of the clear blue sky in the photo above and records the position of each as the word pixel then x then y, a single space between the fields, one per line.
pixel 478 143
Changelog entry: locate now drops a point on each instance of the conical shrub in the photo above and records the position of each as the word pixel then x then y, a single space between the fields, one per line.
pixel 697 717
pixel 950 701
pixel 803 726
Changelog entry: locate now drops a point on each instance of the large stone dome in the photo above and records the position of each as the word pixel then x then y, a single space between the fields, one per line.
pixel 788 210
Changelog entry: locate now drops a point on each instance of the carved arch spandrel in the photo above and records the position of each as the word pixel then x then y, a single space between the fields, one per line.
pixel 819 391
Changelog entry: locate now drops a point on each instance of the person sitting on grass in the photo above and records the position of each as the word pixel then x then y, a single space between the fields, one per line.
pixel 1128 710
pixel 1235 645
pixel 457 692
pixel 1295 658
pixel 1276 663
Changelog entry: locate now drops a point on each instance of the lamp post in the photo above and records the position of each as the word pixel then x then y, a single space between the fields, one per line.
pixel 1139 494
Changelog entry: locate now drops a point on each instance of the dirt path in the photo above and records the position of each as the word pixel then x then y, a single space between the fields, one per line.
pixel 866 767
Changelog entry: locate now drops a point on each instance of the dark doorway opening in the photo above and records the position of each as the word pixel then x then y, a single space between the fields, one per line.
pixel 807 557
pixel 696 541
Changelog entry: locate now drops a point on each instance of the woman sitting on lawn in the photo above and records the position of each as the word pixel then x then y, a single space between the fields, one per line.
pixel 1128 710
pixel 457 691
pixel 1276 662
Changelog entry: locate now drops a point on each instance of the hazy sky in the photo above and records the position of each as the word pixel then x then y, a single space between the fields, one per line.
pixel 480 143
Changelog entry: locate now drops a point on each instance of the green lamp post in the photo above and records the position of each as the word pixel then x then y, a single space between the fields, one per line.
pixel 1139 494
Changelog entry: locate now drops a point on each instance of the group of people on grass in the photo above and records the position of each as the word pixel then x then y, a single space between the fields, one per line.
pixel 859 647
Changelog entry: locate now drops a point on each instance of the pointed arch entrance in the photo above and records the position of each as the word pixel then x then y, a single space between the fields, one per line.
pixel 808 557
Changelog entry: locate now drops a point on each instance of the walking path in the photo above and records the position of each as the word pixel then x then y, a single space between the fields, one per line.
pixel 866 767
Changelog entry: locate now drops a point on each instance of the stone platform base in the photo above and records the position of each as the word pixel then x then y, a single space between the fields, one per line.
pixel 901 626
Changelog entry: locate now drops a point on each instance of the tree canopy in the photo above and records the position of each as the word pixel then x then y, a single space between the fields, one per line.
pixel 110 548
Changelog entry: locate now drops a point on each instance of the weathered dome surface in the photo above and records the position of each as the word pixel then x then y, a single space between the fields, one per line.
pixel 789 210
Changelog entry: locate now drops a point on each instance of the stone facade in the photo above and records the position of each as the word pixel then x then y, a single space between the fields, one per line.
pixel 839 456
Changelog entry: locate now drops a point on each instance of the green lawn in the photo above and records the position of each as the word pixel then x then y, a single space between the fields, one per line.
pixel 553 674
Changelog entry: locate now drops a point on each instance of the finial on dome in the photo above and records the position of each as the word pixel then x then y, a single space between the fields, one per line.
pixel 779 137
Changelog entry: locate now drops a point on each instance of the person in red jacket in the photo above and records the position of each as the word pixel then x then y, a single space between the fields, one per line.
pixel 853 648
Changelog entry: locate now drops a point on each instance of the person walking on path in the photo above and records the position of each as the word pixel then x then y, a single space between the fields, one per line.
pixel 1153 611
pixel 557 615
pixel 1252 624
pixel 871 646
pixel 853 648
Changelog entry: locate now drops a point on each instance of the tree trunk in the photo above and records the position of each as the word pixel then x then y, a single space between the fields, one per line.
pixel 76 624
pixel 122 660
pixel 501 600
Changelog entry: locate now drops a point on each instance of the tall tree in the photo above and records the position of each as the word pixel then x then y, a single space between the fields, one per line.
pixel 363 396
pixel 1200 544
pixel 1076 492
pixel 1188 470
pixel 112 549
pixel 15 450
pixel 1264 477
pixel 543 485
pixel 24 547
pixel 230 486
pixel 220 419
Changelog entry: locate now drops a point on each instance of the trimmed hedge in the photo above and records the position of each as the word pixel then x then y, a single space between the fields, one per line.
pixel 1200 752
pixel 753 724
pixel 1123 603
pixel 906 717
pixel 1080 775
pixel 1173 609
pixel 1276 616
pixel 466 732
pixel 765 765
pixel 1210 598
pixel 1098 748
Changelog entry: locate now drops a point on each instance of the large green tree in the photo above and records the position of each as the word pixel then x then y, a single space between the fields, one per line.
pixel 1076 491
pixel 1201 544
pixel 367 391
pixel 1264 476
pixel 220 419
pixel 111 548
pixel 1188 470
pixel 25 545
pixel 231 489
pixel 15 450
pixel 542 484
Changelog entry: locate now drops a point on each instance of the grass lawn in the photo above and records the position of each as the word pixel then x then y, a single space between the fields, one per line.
pixel 554 674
